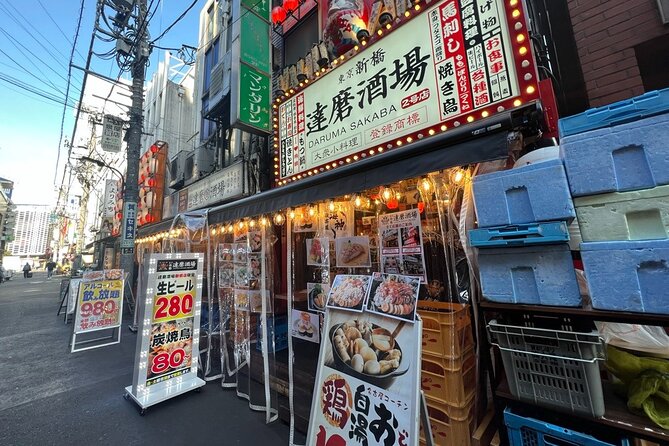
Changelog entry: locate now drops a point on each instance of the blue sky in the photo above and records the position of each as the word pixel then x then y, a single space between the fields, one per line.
pixel 36 39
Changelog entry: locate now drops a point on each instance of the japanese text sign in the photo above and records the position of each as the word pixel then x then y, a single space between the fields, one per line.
pixel 225 184
pixel 112 134
pixel 399 88
pixel 366 402
pixel 170 314
pixel 99 301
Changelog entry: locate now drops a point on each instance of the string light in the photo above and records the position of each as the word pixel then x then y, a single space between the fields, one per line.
pixel 459 175
pixel 264 221
pixel 278 219
pixel 291 214
pixel 311 211
pixel 425 184
pixel 357 201
pixel 331 206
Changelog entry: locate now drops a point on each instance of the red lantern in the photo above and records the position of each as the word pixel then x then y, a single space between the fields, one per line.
pixel 290 5
pixel 393 203
pixel 278 15
pixel 149 218
pixel 154 149
pixel 421 207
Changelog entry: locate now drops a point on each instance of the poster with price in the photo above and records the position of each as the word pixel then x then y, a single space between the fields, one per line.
pixel 166 357
pixel 99 301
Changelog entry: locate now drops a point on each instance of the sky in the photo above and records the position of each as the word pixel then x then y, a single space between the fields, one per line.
pixel 36 39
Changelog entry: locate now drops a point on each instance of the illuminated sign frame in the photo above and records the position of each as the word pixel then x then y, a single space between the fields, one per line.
pixel 296 157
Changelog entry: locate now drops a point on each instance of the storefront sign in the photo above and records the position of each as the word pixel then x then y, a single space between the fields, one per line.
pixel 111 189
pixel 108 259
pixel 222 185
pixel 366 394
pixel 129 225
pixel 397 91
pixel 251 68
pixel 112 134
pixel 99 301
pixel 401 236
pixel 167 350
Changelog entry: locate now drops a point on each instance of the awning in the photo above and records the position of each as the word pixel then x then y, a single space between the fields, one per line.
pixel 467 144
pixel 454 148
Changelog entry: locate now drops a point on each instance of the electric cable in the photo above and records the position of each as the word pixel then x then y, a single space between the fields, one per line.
pixel 178 19
pixel 59 28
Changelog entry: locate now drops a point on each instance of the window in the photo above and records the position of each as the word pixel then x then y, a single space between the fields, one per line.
pixel 210 61
pixel 300 39
pixel 653 69
pixel 207 127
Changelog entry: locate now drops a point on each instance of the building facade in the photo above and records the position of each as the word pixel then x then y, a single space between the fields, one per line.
pixel 31 230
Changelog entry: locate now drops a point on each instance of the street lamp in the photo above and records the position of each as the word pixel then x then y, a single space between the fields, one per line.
pixel 101 163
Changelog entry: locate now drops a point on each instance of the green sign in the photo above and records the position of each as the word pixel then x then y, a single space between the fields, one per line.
pixel 255 41
pixel 260 7
pixel 254 102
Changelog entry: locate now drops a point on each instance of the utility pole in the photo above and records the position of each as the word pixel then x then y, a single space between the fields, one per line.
pixel 131 190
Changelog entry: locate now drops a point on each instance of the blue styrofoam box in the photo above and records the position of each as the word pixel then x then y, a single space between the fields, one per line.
pixel 648 104
pixel 526 431
pixel 625 157
pixel 528 194
pixel 542 275
pixel 628 275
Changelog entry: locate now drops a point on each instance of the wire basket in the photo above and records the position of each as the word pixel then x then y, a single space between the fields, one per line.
pixel 553 368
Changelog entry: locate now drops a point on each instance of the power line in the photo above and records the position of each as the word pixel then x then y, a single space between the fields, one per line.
pixel 48 84
pixel 16 44
pixel 60 29
pixel 69 82
pixel 178 19
pixel 32 89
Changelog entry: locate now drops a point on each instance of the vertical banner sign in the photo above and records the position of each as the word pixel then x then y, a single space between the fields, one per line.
pixel 111 188
pixel 368 381
pixel 99 306
pixel 473 59
pixel 112 134
pixel 129 225
pixel 251 66
pixel 167 348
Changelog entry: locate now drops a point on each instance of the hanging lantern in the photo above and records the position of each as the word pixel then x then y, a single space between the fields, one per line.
pixel 357 201
pixel 290 5
pixel 421 207
pixel 393 203
pixel 278 15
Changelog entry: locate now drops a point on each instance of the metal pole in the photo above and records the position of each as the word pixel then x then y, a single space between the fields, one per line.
pixel 131 192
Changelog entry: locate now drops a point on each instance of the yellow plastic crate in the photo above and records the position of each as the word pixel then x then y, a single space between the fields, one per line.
pixel 447 328
pixel 447 380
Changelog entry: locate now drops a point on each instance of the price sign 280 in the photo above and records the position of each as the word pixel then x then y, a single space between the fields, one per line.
pixel 172 307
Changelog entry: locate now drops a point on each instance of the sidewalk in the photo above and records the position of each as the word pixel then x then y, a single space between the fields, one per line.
pixel 53 397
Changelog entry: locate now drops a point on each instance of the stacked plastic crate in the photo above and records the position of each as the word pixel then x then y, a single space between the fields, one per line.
pixel 448 372
pixel 522 216
pixel 617 163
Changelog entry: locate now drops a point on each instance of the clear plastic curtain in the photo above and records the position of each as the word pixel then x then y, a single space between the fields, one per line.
pixel 245 272
pixel 189 233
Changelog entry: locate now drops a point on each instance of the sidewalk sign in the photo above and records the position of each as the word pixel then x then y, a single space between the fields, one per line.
pixel 166 358
pixel 98 309
pixel 367 388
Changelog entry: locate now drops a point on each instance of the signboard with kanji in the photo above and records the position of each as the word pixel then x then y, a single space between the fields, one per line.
pixel 98 307
pixel 366 394
pixel 167 348
pixel 457 62
pixel 112 134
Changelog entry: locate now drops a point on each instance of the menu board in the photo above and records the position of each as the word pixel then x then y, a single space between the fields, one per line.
pixel 99 301
pixel 368 381
pixel 401 238
pixel 167 348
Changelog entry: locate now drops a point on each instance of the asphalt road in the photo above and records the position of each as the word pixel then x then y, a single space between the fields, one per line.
pixel 49 396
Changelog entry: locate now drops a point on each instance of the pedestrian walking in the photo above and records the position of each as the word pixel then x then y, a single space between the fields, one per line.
pixel 50 265
pixel 26 270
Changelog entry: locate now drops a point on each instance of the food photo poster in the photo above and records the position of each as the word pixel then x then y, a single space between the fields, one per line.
pixel 353 252
pixel 305 325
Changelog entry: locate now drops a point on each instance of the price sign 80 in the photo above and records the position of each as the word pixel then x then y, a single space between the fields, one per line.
pixel 172 307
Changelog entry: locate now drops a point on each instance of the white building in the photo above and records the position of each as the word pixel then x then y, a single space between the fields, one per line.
pixel 169 107
pixel 31 230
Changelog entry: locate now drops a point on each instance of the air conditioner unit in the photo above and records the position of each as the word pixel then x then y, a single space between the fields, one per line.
pixel 199 163
pixel 177 170
pixel 663 6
